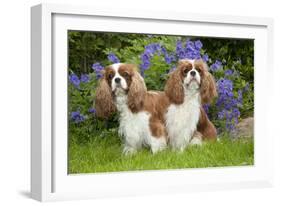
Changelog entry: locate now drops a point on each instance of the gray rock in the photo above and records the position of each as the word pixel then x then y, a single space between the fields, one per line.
pixel 244 129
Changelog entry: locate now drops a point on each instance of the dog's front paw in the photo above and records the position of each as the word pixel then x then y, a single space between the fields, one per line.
pixel 196 139
pixel 129 150
pixel 158 144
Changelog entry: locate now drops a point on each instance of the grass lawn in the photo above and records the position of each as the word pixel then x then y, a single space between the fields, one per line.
pixel 90 153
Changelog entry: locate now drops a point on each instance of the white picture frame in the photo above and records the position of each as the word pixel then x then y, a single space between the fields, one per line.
pixel 49 178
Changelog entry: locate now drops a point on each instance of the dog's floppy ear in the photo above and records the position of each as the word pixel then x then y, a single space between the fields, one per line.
pixel 173 88
pixel 137 91
pixel 208 89
pixel 104 100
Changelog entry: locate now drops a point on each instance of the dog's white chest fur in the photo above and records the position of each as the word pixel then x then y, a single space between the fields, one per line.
pixel 133 126
pixel 182 120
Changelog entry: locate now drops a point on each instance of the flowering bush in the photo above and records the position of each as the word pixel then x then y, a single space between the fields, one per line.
pixel 156 57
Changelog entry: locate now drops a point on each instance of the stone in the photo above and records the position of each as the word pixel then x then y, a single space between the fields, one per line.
pixel 244 129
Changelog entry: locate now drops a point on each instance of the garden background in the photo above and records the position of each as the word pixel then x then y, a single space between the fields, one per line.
pixel 94 145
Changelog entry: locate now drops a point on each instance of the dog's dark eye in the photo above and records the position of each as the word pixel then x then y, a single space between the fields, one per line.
pixel 126 75
pixel 199 70
pixel 185 71
pixel 110 76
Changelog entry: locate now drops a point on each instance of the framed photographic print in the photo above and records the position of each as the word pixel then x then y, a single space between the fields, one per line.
pixel 135 102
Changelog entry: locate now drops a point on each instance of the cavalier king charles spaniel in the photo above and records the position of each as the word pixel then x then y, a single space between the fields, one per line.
pixel 141 112
pixel 188 88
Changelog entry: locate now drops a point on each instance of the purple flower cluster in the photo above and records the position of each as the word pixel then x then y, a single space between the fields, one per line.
pixel 169 58
pixel 97 67
pixel 216 66
pixel 85 78
pixel 92 110
pixel 113 58
pixel 74 79
pixel 190 51
pixel 228 104
pixel 77 117
pixel 228 101
pixel 228 72
pixel 148 53
pixel 205 58
pixel 153 48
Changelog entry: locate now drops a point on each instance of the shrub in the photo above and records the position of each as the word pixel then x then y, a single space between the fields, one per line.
pixel 156 56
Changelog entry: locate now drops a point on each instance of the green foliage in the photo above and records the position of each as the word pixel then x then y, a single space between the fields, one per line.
pixel 87 48
pixel 157 74
pixel 81 98
pixel 238 55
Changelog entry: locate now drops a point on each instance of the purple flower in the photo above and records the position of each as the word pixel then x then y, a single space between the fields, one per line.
pixel 235 112
pixel 153 48
pixel 74 79
pixel 217 65
pixel 191 50
pixel 113 58
pixel 198 44
pixel 221 114
pixel 227 103
pixel 224 85
pixel 164 50
pixel 145 58
pixel 85 78
pixel 228 72
pixel 190 45
pixel 157 48
pixel 205 57
pixel 169 58
pixel 149 51
pixel 206 108
pixel 97 67
pixel 92 110
pixel 77 117
pixel 229 126
pixel 179 50
pixel 240 97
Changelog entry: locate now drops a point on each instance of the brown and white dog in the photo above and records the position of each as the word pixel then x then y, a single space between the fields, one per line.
pixel 141 112
pixel 188 87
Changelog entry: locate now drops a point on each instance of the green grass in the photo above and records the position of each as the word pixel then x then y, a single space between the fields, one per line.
pixel 103 153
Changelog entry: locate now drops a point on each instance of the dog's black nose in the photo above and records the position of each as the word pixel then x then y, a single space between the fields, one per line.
pixel 117 80
pixel 193 73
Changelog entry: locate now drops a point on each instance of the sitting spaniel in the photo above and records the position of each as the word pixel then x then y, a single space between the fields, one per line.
pixel 141 112
pixel 187 88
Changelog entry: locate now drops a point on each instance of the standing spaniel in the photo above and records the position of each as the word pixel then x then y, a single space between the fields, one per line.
pixel 141 112
pixel 187 88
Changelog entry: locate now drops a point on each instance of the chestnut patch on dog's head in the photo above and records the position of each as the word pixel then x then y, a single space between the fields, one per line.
pixel 184 66
pixel 127 71
pixel 109 73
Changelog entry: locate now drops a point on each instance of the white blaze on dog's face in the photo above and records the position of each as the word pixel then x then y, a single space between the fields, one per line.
pixel 191 75
pixel 118 78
